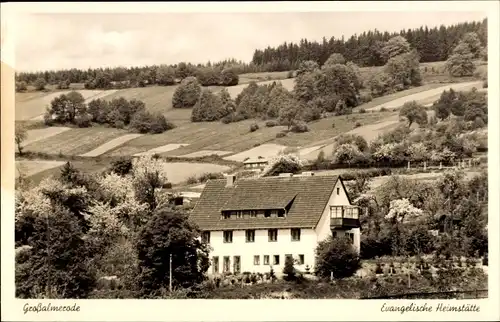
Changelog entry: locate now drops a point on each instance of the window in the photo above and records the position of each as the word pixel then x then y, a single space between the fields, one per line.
pixel 295 234
pixel 301 259
pixel 273 235
pixel 250 236
pixel 226 215
pixel 266 259
pixel 253 214
pixel 338 191
pixel 336 212
pixel 334 234
pixel 256 260
pixel 236 264
pixel 215 264
pixel 228 236
pixel 267 213
pixel 239 214
pixel 351 236
pixel 227 264
pixel 351 212
pixel 205 237
pixel 281 213
pixel 276 259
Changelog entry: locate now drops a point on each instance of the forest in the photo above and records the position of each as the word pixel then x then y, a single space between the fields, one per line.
pixel 434 44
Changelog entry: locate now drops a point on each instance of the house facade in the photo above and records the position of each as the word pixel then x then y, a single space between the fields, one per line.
pixel 253 224
pixel 255 163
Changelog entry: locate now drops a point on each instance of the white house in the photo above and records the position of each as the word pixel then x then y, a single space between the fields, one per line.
pixel 255 163
pixel 252 224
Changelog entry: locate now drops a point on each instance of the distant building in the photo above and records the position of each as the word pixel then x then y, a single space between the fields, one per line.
pixel 252 224
pixel 255 163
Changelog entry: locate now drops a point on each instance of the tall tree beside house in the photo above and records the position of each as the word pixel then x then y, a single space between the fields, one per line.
pixel 337 257
pixel 166 234
pixel 288 269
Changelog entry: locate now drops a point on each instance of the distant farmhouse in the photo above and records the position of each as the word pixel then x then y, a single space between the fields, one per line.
pixel 252 224
pixel 255 163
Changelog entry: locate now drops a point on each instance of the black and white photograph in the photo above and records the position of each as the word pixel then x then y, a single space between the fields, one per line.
pixel 319 155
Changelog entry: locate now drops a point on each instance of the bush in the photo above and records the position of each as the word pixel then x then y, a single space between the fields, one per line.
pixel 21 86
pixel 289 74
pixel 210 176
pixel 299 127
pixel 383 109
pixel 192 180
pixel 254 127
pixel 119 124
pixel 227 119
pixel 362 111
pixel 280 134
pixel 366 98
pixel 40 84
pixel 333 125
pixel 122 166
pixel 288 269
pixel 271 123
pixel 357 124
pixel 47 119
pixel 336 256
pixel 83 121
pixel 145 122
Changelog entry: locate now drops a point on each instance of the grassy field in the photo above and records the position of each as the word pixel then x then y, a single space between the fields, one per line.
pixel 33 104
pixel 29 168
pixel 75 141
pixel 259 77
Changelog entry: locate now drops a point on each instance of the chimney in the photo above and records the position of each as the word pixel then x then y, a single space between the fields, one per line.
pixel 286 174
pixel 231 178
pixel 307 174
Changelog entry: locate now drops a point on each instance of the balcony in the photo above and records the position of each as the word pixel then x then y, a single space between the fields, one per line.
pixel 344 217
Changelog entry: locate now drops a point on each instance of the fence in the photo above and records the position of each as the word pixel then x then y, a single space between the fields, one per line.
pixel 458 295
pixel 425 165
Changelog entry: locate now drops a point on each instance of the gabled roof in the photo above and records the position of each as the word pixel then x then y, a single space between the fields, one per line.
pixel 255 160
pixel 308 195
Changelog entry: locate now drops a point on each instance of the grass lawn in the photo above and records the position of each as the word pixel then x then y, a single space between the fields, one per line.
pixel 32 104
pixel 86 166
pixel 259 77
pixel 75 141
pixel 322 131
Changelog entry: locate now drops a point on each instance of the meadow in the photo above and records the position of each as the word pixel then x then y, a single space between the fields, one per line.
pixel 75 141
pixel 192 140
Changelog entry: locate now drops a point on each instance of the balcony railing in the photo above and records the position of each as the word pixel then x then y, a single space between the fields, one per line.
pixel 344 216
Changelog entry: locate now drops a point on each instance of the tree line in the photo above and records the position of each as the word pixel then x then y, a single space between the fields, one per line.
pixel 432 44
pixel 118 112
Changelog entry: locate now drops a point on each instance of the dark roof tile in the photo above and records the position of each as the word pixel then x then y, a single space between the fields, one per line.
pixel 310 195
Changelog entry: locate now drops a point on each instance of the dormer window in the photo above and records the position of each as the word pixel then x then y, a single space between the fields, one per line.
pixel 281 213
pixel 267 214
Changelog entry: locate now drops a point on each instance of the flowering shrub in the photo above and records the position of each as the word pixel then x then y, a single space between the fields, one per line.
pixel 347 154
pixel 282 164
pixel 402 210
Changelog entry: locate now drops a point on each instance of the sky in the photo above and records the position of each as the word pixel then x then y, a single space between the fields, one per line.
pixel 63 41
